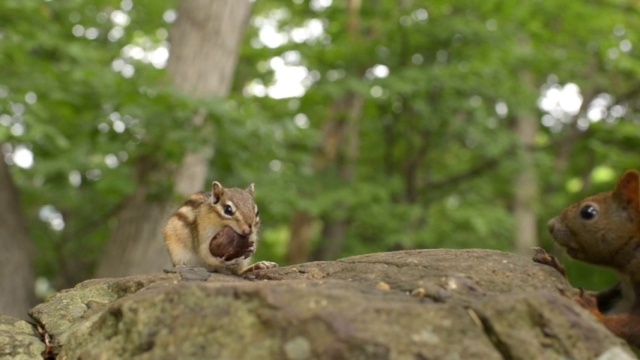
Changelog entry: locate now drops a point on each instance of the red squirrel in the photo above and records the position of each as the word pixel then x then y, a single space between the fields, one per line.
pixel 604 229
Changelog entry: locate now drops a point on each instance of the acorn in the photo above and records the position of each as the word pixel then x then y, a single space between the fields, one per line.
pixel 229 245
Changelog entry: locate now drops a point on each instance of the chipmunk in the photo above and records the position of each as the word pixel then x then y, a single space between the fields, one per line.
pixel 217 230
pixel 604 229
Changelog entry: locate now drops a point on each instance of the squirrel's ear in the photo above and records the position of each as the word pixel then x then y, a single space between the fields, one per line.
pixel 251 189
pixel 627 191
pixel 217 190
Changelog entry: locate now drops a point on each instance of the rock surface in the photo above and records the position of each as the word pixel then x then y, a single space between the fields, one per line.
pixel 422 304
pixel 19 339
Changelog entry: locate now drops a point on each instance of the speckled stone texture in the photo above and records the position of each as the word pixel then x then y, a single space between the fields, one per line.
pixel 422 304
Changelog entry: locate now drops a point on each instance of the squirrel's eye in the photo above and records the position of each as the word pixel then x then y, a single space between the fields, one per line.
pixel 588 212
pixel 228 210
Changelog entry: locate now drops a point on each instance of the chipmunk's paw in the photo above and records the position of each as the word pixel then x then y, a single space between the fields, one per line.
pixel 261 265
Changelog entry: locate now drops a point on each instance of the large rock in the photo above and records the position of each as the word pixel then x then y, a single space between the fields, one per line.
pixel 427 304
pixel 19 339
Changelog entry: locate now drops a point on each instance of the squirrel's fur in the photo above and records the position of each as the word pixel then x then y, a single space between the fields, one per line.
pixel 604 229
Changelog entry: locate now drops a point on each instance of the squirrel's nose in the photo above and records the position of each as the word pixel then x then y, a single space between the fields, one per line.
pixel 551 224
pixel 248 230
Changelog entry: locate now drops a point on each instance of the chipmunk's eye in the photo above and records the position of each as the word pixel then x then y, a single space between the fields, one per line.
pixel 228 210
pixel 257 212
pixel 588 212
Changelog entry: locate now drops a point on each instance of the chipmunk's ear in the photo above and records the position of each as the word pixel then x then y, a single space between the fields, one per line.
pixel 627 191
pixel 251 189
pixel 217 190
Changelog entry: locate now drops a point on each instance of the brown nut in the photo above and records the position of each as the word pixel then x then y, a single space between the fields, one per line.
pixel 229 245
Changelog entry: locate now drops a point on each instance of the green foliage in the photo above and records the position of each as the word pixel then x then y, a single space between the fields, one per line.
pixel 436 158
pixel 84 123
pixel 440 85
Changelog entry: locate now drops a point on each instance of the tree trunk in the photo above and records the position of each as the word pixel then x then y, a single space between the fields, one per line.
pixel 333 236
pixel 526 187
pixel 16 258
pixel 346 153
pixel 205 42
pixel 341 148
pixel 302 226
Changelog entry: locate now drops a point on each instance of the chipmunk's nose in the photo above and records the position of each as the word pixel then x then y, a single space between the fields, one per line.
pixel 247 230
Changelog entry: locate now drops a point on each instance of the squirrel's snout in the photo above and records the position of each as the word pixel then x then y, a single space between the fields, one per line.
pixel 551 225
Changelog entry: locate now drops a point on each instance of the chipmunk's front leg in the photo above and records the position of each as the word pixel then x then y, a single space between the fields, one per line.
pixel 260 265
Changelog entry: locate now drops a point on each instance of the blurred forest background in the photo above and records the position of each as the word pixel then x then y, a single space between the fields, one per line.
pixel 366 125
